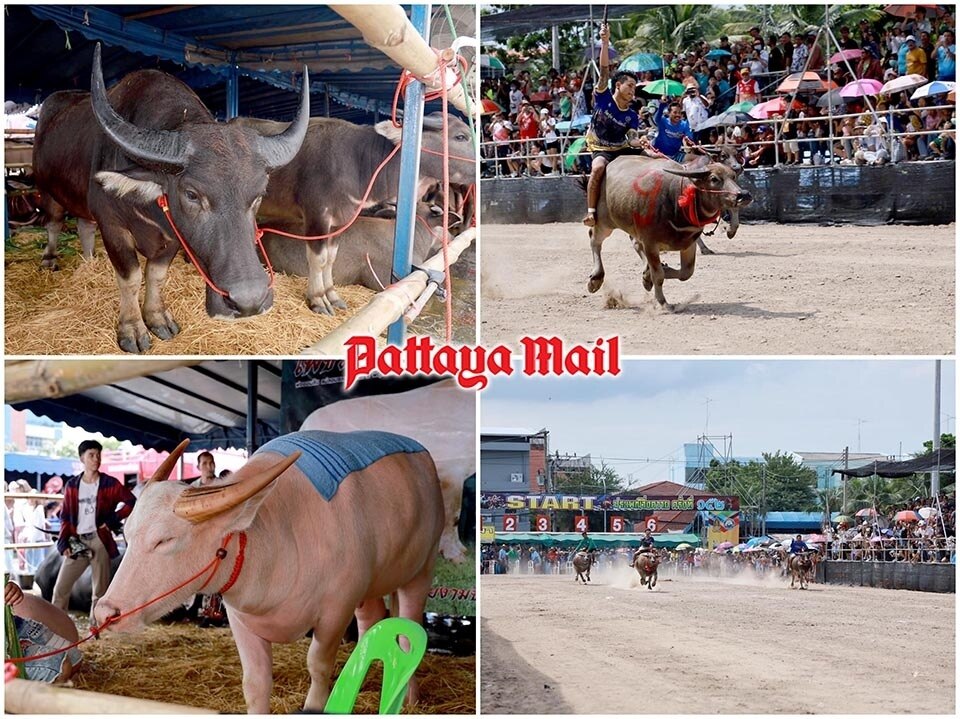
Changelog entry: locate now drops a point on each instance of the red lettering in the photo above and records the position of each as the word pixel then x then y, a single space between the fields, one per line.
pixel 542 355
pixel 361 358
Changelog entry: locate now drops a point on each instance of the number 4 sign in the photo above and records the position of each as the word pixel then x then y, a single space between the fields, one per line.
pixel 581 523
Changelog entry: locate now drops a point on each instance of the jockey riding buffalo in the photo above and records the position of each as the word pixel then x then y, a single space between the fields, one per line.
pixel 663 207
pixel 582 561
pixel 320 190
pixel 646 564
pixel 800 566
pixel 146 157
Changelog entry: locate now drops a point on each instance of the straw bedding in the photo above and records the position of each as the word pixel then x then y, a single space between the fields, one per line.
pixel 184 664
pixel 74 311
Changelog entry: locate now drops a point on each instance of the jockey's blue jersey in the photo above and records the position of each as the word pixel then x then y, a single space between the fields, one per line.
pixel 797 546
pixel 610 124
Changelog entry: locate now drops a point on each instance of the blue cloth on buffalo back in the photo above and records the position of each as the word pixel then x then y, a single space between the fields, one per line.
pixel 328 457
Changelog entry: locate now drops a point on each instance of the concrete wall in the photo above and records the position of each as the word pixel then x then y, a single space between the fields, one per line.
pixel 921 193
pixel 892 575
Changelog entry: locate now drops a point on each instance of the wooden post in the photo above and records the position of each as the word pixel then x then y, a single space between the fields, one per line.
pixel 27 697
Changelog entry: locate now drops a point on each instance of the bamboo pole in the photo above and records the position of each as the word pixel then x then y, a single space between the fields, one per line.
pixel 386 28
pixel 27 697
pixel 36 379
pixel 389 305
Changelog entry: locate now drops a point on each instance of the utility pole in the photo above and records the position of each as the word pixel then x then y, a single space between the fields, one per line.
pixel 846 465
pixel 935 474
pixel 763 500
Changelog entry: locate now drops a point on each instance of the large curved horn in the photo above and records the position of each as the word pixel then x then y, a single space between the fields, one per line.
pixel 278 150
pixel 163 471
pixel 433 121
pixel 198 504
pixel 695 174
pixel 156 149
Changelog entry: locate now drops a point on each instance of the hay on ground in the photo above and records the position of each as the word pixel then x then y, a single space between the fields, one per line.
pixel 182 663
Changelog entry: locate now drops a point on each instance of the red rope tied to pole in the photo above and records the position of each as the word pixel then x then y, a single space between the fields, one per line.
pixel 213 565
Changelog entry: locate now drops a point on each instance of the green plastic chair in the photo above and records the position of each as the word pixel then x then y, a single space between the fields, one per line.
pixel 380 642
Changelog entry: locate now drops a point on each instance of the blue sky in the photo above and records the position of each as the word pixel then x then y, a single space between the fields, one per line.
pixel 655 406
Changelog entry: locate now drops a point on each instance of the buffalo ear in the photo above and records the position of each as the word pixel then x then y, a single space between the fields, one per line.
pixel 692 174
pixel 386 128
pixel 135 185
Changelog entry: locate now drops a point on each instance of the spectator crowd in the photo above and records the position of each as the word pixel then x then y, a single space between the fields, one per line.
pixel 531 122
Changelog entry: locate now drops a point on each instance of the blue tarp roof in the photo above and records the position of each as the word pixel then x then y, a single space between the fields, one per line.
pixel 31 464
pixel 49 47
pixel 786 520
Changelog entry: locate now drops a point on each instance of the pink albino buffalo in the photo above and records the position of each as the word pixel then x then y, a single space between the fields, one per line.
pixel 307 562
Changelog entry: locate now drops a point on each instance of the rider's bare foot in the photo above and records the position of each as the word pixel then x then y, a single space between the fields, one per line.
pixel 590 220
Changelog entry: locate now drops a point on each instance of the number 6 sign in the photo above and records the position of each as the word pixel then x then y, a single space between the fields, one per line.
pixel 652 524
pixel 509 523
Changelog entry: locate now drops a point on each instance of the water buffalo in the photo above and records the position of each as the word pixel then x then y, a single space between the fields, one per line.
pixel 82 592
pixel 320 190
pixel 582 562
pixel 800 566
pixel 727 155
pixel 663 207
pixel 646 564
pixel 366 250
pixel 109 158
pixel 445 419
pixel 294 560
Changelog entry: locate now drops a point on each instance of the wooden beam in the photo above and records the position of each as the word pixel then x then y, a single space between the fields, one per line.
pixel 26 697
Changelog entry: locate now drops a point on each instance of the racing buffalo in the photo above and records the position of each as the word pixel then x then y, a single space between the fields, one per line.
pixel 114 157
pixel 646 564
pixel 304 539
pixel 321 189
pixel 800 566
pixel 663 207
pixel 726 154
pixel 582 561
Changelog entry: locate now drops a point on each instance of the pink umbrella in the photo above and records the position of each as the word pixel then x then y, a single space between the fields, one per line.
pixel 910 10
pixel 907 515
pixel 816 538
pixel 763 110
pixel 851 54
pixel 867 512
pixel 860 88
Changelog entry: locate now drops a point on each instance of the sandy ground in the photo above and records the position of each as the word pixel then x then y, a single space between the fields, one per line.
pixel 712 646
pixel 773 289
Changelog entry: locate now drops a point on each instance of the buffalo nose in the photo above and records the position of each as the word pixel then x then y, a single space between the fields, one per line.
pixel 744 198
pixel 246 303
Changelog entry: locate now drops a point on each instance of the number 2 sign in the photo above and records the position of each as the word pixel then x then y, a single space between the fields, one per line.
pixel 509 523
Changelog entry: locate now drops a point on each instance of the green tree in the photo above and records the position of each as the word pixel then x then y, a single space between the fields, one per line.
pixel 593 481
pixel 777 484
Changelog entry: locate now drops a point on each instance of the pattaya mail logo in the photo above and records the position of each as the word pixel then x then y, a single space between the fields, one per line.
pixel 473 366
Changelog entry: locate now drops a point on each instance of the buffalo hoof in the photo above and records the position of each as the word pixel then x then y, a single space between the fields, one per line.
pixel 321 306
pixel 133 338
pixel 647 282
pixel 337 303
pixel 668 308
pixel 704 250
pixel 162 325
pixel 595 283
pixel 49 263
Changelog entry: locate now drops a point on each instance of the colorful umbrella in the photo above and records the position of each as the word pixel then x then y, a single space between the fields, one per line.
pixel 910 10
pixel 744 106
pixel 867 512
pixel 641 62
pixel 831 99
pixel 664 87
pixel 489 107
pixel 717 53
pixel 725 545
pixel 904 82
pixel 540 97
pixel 861 88
pixel 907 515
pixel 842 519
pixel 684 545
pixel 937 87
pixel 730 117
pixel 927 512
pixel 803 82
pixel 952 96
pixel 851 54
pixel 570 156
pixel 776 106
pixel 492 62
pixel 578 123
pixel 816 539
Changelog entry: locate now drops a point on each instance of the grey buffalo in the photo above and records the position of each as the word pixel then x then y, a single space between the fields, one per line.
pixel 109 157
pixel 663 207
pixel 321 189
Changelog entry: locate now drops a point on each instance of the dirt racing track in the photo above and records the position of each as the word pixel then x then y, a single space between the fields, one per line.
pixel 773 289
pixel 712 646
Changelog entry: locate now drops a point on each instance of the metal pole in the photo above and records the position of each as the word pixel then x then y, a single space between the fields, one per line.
pixel 409 172
pixel 252 391
pixel 555 46
pixel 233 93
pixel 844 478
pixel 935 474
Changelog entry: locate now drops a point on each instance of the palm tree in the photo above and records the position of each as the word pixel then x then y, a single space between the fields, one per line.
pixel 675 28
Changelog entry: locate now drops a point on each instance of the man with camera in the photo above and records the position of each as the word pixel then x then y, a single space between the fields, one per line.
pixel 696 108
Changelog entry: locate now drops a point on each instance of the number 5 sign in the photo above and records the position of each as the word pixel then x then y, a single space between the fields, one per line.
pixel 581 523
pixel 509 523
pixel 617 524
pixel 543 523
